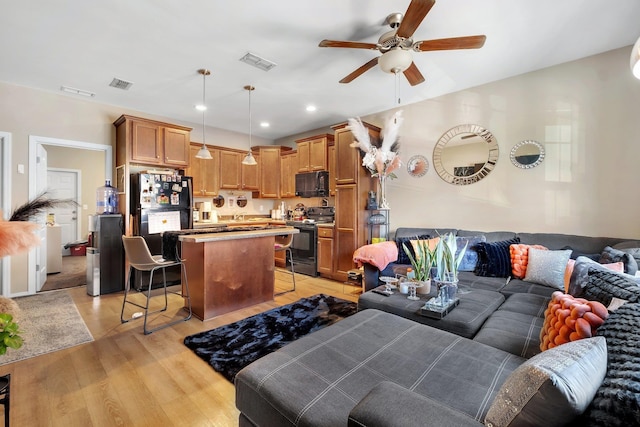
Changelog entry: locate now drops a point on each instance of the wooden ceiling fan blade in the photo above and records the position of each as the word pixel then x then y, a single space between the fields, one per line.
pixel 416 12
pixel 352 45
pixel 357 73
pixel 468 42
pixel 413 75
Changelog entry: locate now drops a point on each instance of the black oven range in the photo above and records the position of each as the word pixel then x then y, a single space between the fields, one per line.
pixel 304 247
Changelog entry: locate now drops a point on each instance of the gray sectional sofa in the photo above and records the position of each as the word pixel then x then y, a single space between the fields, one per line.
pixel 480 364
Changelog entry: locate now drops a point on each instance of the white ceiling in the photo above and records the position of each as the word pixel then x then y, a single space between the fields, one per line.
pixel 160 44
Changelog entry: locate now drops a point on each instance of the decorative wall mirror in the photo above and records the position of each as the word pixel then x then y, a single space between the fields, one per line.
pixel 218 201
pixel 465 154
pixel 417 166
pixel 527 154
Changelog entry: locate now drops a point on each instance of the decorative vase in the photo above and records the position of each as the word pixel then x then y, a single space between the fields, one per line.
pixel 425 288
pixel 447 289
pixel 382 194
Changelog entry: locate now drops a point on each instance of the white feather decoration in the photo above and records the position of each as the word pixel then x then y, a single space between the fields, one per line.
pixel 361 134
pixel 390 132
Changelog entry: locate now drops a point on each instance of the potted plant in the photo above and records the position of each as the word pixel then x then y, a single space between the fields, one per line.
pixel 9 333
pixel 447 260
pixel 422 263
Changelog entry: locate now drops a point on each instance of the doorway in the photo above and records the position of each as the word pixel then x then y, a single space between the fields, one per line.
pixel 5 203
pixel 36 180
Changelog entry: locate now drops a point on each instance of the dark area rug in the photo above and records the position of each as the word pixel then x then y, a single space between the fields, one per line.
pixel 230 348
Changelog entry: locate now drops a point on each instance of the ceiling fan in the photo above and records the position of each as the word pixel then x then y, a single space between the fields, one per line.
pixel 396 45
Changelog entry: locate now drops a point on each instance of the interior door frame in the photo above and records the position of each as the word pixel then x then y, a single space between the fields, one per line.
pixel 5 189
pixel 78 193
pixel 34 141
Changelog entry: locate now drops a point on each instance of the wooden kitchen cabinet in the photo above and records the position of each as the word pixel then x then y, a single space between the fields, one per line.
pixel 312 153
pixel 288 170
pixel 230 169
pixel 155 143
pixel 353 183
pixel 205 172
pixel 250 175
pixel 270 172
pixel 325 251
pixel 331 158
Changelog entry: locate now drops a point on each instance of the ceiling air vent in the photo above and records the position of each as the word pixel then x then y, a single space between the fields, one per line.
pixel 120 84
pixel 256 61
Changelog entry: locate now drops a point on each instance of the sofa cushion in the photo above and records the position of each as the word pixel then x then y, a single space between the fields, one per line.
pixel 494 259
pixel 529 304
pixel 517 286
pixel 547 267
pixel 387 403
pixel 551 388
pixel 579 244
pixel 490 236
pixel 469 280
pixel 318 379
pixel 470 257
pixel 464 320
pixel 516 333
pixel 610 255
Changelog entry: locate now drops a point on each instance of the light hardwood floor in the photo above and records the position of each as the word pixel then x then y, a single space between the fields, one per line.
pixel 125 378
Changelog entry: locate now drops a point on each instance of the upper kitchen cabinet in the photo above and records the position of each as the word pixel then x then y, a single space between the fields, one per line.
pixel 271 171
pixel 312 153
pixel 205 172
pixel 348 160
pixel 288 170
pixel 149 142
pixel 236 176
pixel 331 157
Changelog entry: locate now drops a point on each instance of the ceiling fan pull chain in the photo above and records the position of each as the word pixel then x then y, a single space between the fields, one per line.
pixel 397 87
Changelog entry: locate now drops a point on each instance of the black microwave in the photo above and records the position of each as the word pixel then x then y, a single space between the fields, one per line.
pixel 312 184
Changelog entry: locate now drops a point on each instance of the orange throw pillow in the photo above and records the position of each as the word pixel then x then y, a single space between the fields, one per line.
pixel 520 258
pixel 570 319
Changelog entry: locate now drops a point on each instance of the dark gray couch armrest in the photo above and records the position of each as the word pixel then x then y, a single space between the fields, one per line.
pixel 370 279
pixel 389 404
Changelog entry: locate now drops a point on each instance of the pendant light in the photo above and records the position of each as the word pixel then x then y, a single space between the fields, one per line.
pixel 203 153
pixel 249 160
pixel 635 59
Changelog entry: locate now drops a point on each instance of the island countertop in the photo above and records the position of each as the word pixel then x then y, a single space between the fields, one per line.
pixel 234 233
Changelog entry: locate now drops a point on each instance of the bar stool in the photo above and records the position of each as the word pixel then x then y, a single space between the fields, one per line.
pixel 140 258
pixel 5 385
pixel 283 243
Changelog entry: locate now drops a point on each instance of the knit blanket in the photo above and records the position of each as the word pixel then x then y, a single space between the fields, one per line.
pixel 617 401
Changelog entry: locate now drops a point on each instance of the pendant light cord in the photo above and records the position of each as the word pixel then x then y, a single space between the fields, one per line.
pixel 204 109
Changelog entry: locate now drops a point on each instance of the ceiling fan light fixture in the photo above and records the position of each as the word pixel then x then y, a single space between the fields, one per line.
pixel 635 59
pixel 395 61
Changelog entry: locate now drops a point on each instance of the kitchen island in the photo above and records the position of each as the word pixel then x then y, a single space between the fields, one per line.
pixel 231 268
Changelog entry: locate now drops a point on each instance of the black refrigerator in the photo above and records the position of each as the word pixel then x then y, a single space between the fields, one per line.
pixel 160 202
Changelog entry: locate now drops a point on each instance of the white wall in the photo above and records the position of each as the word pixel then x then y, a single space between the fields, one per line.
pixel 584 112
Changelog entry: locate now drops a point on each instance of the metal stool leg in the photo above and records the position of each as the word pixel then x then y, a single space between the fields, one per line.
pixel 289 255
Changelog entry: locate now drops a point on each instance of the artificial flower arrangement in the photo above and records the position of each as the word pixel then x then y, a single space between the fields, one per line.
pixel 381 156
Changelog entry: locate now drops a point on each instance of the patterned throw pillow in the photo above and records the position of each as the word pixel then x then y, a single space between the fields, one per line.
pixel 470 257
pixel 402 255
pixel 547 267
pixel 494 259
pixel 520 258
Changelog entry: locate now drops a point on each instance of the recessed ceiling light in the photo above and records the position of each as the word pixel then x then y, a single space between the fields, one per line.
pixel 77 91
pixel 264 124
pixel 201 107
pixel 311 108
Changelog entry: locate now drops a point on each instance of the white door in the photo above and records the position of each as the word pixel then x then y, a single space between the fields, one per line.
pixel 64 184
pixel 41 186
